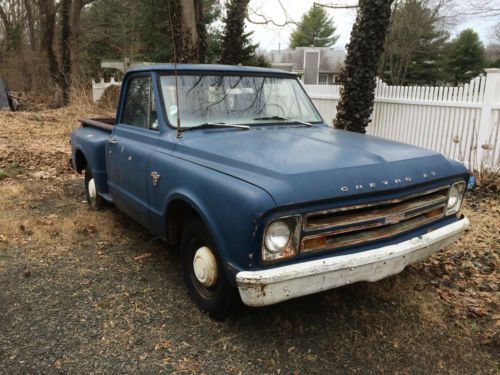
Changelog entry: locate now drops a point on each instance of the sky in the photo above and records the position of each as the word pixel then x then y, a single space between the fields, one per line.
pixel 272 37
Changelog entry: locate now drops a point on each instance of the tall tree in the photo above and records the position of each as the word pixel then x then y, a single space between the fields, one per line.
pixel 60 70
pixel 315 29
pixel 466 57
pixel 363 55
pixel 30 20
pixel 233 36
pixel 415 44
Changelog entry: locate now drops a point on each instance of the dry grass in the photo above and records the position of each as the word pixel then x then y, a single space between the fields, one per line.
pixel 86 291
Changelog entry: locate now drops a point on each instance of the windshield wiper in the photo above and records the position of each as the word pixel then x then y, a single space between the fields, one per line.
pixel 217 125
pixel 281 118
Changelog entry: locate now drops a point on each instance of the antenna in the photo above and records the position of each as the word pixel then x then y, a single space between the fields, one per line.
pixel 178 127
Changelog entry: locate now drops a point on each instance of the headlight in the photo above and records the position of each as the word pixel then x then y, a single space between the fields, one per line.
pixel 281 238
pixel 277 236
pixel 455 197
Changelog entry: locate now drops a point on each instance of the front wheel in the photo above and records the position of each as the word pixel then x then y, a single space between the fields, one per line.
pixel 203 272
pixel 93 198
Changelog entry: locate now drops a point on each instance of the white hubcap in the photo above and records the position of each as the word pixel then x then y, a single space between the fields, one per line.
pixel 92 190
pixel 205 266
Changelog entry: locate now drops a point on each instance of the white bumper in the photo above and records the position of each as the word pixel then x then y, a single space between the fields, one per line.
pixel 260 288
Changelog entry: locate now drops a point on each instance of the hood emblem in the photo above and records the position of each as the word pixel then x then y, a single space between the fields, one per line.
pixel 387 182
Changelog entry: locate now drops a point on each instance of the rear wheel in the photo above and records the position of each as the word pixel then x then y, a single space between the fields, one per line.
pixel 93 198
pixel 203 272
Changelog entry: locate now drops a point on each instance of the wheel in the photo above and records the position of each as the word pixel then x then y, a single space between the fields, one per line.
pixel 203 272
pixel 93 198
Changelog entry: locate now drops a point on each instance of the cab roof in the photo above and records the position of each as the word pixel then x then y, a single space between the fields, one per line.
pixel 207 68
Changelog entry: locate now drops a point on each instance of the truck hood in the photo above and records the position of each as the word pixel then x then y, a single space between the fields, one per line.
pixel 296 164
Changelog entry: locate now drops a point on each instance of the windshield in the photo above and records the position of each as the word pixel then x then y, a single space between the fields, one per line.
pixel 236 100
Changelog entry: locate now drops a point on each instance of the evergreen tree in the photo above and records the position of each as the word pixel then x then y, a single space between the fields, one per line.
pixel 466 56
pixel 414 50
pixel 315 29
pixel 234 40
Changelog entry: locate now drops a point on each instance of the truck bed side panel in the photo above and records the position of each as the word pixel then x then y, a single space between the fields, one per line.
pixel 91 142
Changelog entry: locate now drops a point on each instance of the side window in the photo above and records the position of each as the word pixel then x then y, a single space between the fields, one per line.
pixel 140 105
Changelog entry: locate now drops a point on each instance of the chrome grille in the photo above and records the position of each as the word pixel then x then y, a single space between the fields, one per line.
pixel 354 225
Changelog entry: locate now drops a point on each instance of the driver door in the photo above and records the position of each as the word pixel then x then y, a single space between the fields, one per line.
pixel 129 148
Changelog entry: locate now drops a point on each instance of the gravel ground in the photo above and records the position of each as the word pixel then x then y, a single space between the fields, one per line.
pixel 92 292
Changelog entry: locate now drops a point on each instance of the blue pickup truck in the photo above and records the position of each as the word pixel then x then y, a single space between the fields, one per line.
pixel 266 202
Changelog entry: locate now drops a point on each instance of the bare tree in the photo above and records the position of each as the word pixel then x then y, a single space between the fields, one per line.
pixel 30 19
pixel 257 17
pixel 60 71
pixel 416 28
pixel 483 8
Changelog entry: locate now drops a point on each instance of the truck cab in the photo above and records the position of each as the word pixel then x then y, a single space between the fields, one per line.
pixel 236 167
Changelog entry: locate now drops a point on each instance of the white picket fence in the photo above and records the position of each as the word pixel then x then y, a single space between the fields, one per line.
pixel 99 86
pixel 460 122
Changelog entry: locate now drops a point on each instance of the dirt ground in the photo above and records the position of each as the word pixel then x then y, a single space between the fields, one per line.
pixel 92 292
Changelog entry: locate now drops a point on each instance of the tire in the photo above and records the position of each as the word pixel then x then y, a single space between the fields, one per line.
pixel 93 198
pixel 218 299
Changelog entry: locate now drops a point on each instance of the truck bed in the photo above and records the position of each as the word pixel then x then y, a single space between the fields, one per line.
pixel 105 124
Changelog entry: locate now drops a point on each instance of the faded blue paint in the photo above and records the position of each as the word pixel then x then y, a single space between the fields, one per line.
pixel 239 180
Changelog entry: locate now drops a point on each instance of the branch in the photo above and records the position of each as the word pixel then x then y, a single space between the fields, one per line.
pixel 4 17
pixel 264 20
pixel 337 6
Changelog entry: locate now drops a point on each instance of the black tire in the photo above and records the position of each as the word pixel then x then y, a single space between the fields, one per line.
pixel 218 300
pixel 93 198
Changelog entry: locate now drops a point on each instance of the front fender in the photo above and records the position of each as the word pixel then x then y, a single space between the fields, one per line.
pixel 232 209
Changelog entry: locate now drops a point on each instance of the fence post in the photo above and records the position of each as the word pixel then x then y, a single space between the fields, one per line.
pixel 490 100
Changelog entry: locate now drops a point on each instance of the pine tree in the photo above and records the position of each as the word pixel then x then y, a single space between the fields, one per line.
pixel 233 36
pixel 315 29
pixel 466 56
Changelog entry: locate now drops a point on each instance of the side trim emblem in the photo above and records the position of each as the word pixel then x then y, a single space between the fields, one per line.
pixel 156 178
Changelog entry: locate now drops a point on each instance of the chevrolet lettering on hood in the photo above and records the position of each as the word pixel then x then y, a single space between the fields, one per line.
pixel 395 181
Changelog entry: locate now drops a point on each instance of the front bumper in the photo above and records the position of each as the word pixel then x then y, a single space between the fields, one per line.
pixel 261 288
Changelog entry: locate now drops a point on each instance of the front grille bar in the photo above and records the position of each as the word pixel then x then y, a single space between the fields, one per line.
pixel 358 224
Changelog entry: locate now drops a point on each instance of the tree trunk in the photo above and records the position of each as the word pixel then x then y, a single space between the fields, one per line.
pixel 31 24
pixel 201 30
pixel 7 24
pixel 189 19
pixel 65 73
pixel 60 74
pixel 363 54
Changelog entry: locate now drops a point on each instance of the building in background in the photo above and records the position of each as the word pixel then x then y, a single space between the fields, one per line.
pixel 314 65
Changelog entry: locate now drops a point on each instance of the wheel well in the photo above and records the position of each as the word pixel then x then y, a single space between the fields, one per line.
pixel 80 161
pixel 179 212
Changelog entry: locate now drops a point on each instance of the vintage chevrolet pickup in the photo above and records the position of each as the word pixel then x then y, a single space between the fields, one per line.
pixel 236 167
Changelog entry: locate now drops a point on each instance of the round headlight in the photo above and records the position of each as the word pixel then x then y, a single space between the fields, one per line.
pixel 455 198
pixel 277 236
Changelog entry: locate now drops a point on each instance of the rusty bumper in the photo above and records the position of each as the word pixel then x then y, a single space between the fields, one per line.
pixel 261 288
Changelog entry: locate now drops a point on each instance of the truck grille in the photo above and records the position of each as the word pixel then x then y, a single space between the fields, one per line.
pixel 360 224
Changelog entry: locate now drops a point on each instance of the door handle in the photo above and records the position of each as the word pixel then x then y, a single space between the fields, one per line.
pixel 112 141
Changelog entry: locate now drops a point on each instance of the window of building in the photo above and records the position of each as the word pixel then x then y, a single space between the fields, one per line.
pixel 323 79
